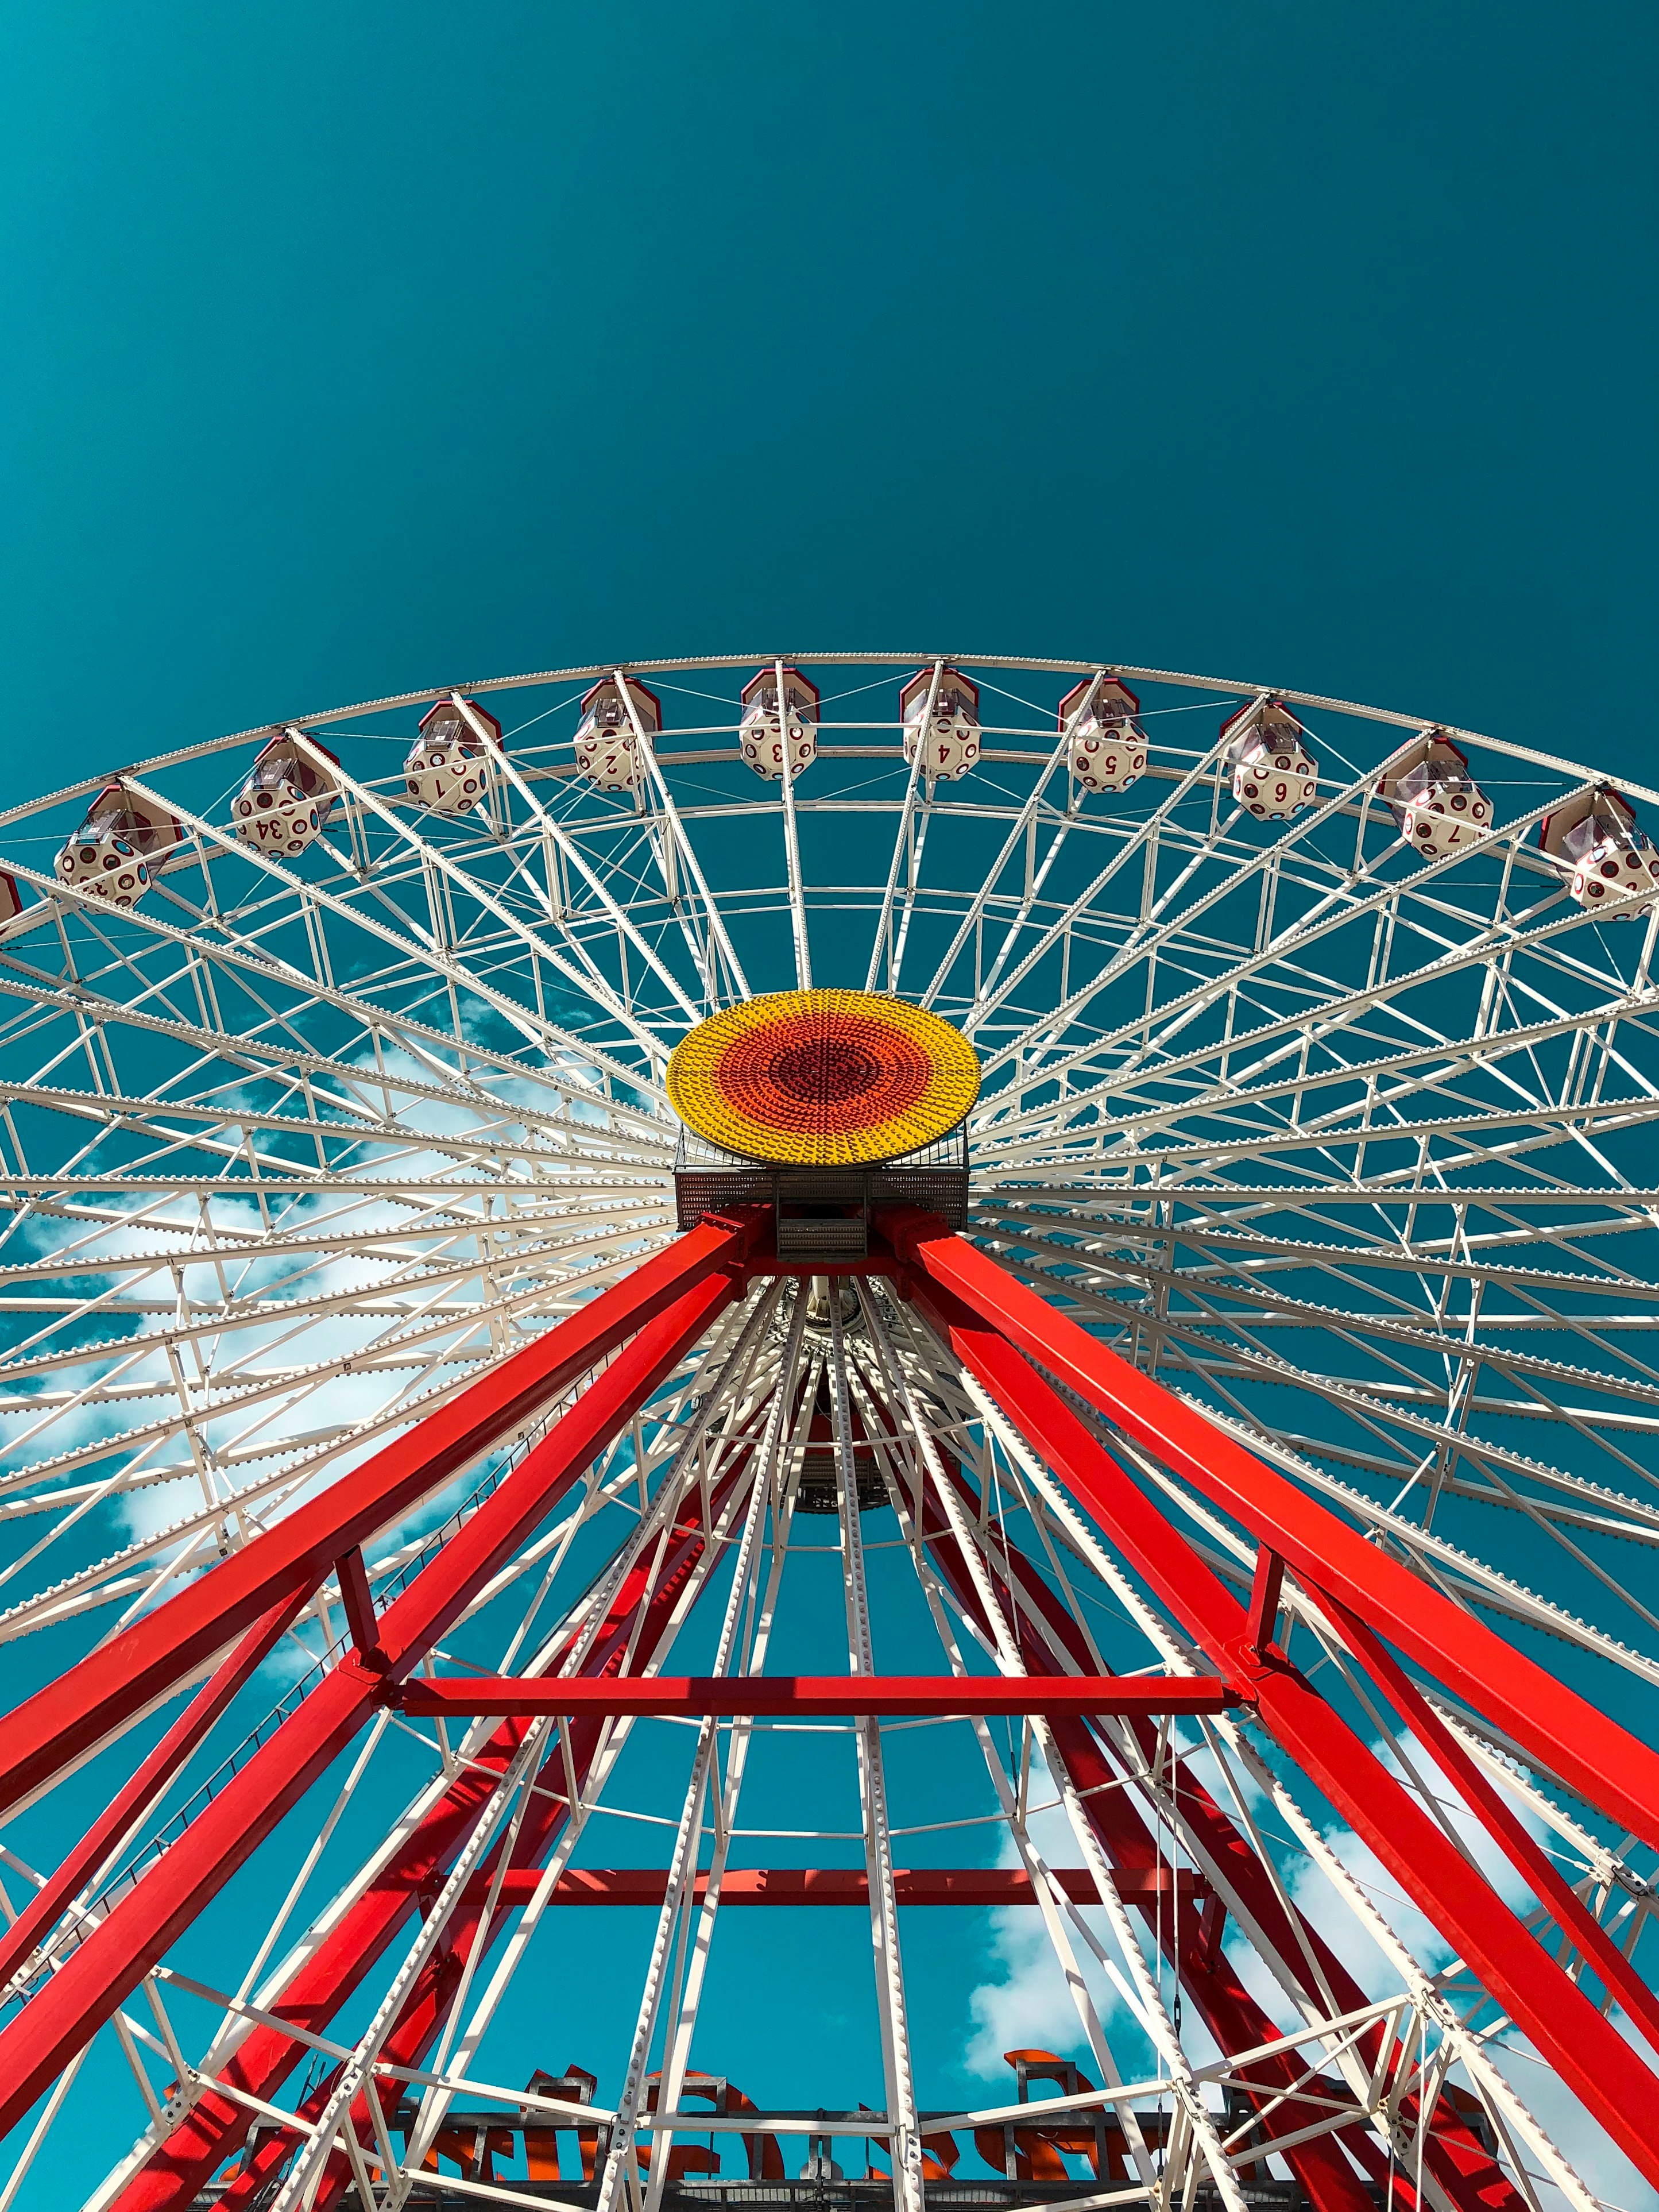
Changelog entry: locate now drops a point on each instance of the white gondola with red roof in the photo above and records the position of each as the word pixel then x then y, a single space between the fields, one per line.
pixel 607 752
pixel 1609 863
pixel 762 734
pixel 1274 773
pixel 287 797
pixel 1438 803
pixel 1106 746
pixel 449 765
pixel 950 739
pixel 110 853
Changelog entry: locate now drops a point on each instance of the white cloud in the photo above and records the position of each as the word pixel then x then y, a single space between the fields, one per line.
pixel 1025 2000
pixel 1599 2163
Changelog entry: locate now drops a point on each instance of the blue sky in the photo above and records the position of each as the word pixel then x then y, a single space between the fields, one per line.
pixel 354 349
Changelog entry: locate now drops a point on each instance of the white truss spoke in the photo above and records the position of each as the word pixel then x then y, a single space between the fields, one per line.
pixel 1230 1254
pixel 271 1324
pixel 593 880
pixel 1135 844
pixel 1375 1316
pixel 615 2182
pixel 1388 1081
pixel 429 1049
pixel 1330 914
pixel 1228 1741
pixel 409 943
pixel 772 1487
pixel 1241 1357
pixel 719 943
pixel 355 2078
pixel 904 846
pixel 1140 1991
pixel 407 1342
pixel 110 1579
pixel 1019 832
pixel 575 964
pixel 872 1786
pixel 1339 1137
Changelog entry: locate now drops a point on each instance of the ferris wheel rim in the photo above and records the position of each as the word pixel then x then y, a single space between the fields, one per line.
pixel 545 1246
pixel 316 720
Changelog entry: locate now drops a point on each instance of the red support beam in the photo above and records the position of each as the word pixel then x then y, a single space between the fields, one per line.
pixel 117 1954
pixel 130 1805
pixel 1467 2174
pixel 1503 1824
pixel 815 1697
pixel 1597 2063
pixel 326 1981
pixel 1232 2015
pixel 643 1616
pixel 51 1730
pixel 1591 1753
pixel 358 1601
pixel 987 1888
pixel 1267 1587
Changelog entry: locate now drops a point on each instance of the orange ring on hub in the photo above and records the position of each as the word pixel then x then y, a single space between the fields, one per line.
pixel 822 1078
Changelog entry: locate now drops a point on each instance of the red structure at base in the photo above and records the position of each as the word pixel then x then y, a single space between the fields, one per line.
pixel 1038 1368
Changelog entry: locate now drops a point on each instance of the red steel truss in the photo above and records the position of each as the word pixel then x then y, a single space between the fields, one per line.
pixel 1469 2176
pixel 116 1955
pixel 821 1696
pixel 1591 1753
pixel 111 1685
pixel 991 1323
pixel 1037 1366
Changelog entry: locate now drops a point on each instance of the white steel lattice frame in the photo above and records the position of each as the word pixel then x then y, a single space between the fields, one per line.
pixel 1346 1147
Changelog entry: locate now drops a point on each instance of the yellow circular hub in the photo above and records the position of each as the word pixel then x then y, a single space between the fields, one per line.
pixel 823 1079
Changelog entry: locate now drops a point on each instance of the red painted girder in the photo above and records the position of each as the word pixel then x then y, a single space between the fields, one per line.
pixel 1233 2016
pixel 986 1886
pixel 326 1979
pixel 1470 2179
pixel 1603 2070
pixel 1589 1752
pixel 1501 1822
pixel 129 1805
pixel 821 1696
pixel 641 1616
pixel 117 1953
pixel 50 1730
pixel 1466 2172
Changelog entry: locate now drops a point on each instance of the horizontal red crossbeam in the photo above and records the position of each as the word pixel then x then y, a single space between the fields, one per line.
pixel 821 1696
pixel 978 1886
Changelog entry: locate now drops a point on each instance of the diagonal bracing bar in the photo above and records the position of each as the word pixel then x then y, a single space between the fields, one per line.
pixel 1606 2076
pixel 113 1828
pixel 1592 1754
pixel 48 1732
pixel 117 1953
pixel 1274 1926
pixel 985 1887
pixel 640 1616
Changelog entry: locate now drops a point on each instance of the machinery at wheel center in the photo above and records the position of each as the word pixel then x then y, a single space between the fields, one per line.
pixel 823 1103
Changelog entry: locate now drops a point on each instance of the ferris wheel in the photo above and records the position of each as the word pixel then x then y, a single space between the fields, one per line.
pixel 927 1294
